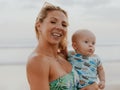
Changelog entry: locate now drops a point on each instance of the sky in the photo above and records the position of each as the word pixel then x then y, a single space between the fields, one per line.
pixel 17 18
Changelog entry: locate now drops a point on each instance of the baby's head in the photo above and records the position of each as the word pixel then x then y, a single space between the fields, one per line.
pixel 83 42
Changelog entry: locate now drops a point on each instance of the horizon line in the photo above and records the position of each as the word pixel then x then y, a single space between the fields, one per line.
pixel 32 46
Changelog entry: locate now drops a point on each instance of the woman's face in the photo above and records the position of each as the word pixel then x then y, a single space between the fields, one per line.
pixel 54 27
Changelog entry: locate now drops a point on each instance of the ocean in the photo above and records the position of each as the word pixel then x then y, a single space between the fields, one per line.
pixel 19 55
pixel 13 66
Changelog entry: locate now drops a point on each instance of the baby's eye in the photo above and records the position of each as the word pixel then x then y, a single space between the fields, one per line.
pixel 86 41
pixel 93 43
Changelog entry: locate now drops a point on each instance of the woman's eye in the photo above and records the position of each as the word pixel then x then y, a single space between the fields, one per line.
pixel 53 22
pixel 64 25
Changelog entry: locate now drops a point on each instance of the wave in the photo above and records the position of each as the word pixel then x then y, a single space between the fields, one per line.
pixel 29 45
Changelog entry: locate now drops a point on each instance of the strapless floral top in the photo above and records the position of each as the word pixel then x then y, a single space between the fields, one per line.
pixel 67 82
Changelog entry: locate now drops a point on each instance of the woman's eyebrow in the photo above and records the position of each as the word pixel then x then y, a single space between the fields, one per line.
pixel 57 19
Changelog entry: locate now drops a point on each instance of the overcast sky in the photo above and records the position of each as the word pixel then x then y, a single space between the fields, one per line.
pixel 17 18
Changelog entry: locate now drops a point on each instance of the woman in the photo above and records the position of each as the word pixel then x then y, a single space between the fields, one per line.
pixel 47 67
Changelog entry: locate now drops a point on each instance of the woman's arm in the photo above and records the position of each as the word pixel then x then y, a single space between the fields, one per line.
pixel 38 73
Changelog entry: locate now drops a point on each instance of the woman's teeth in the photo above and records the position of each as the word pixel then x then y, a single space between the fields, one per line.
pixel 56 34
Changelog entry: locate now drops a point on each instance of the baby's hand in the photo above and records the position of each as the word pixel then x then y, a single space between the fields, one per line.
pixel 101 84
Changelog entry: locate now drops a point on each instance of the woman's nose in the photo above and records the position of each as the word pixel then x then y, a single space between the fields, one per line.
pixel 59 26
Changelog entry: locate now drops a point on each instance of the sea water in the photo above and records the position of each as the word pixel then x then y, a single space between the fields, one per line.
pixel 19 55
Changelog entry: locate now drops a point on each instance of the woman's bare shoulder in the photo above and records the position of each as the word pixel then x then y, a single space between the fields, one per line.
pixel 37 62
pixel 37 72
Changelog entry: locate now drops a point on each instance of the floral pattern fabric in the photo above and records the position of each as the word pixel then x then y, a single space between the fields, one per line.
pixel 66 82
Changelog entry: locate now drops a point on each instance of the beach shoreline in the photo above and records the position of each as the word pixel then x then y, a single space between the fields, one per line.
pixel 14 76
pixel 112 75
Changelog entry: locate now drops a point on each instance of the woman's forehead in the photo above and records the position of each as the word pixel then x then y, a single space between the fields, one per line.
pixel 57 15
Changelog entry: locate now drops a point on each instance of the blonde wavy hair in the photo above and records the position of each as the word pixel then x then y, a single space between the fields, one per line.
pixel 47 7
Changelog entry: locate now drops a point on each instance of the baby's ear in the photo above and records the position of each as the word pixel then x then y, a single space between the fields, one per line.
pixel 74 45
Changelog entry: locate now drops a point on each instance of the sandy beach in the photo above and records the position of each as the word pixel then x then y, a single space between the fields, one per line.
pixel 13 77
pixel 112 75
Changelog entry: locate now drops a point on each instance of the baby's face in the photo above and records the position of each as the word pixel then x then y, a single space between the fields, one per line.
pixel 85 44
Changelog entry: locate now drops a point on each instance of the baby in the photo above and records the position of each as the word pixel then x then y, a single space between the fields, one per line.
pixel 87 64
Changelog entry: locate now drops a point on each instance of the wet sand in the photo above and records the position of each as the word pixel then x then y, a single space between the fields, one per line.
pixel 13 77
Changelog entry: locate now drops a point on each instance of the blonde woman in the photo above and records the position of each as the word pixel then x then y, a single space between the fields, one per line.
pixel 47 67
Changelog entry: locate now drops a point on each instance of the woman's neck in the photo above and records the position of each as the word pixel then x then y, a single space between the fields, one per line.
pixel 47 49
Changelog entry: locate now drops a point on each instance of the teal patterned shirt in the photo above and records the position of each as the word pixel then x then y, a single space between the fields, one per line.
pixel 86 67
